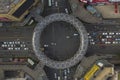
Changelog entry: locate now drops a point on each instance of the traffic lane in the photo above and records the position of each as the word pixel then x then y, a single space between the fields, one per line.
pixel 16 40
pixel 57 6
pixel 60 74
pixel 55 10
pixel 16 32
pixel 65 4
pixel 101 27
pixel 103 50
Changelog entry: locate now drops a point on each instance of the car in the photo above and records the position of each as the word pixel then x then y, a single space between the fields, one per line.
pixel 104 33
pixel 2 45
pixel 25 49
pixel 10 42
pixel 55 75
pixel 92 43
pixel 65 72
pixel 18 42
pixel 56 3
pixel 59 78
pixel 113 42
pixel 91 40
pixel 117 33
pixel 108 36
pixel 89 37
pixel 66 10
pixel 5 42
pixel 103 40
pixel 100 64
pixel 91 9
pixel 75 34
pixel 5 45
pixel 107 42
pixel 8 45
pixel 22 45
pixel 12 45
pixel 31 21
pixel 88 34
pixel 49 3
pixel 15 48
pixel 45 45
pixel 68 70
pixel 110 33
pixel 65 77
pixel 10 48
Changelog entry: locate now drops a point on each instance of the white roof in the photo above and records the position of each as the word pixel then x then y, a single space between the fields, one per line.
pixel 100 64
pixel 114 0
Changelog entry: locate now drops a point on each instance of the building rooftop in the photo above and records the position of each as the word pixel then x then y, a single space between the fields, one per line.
pixel 6 5
pixel 105 73
pixel 17 79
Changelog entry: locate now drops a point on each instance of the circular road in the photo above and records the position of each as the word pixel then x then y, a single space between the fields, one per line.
pixel 66 63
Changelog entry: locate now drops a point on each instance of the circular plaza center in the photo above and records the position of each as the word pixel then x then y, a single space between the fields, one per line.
pixel 60 40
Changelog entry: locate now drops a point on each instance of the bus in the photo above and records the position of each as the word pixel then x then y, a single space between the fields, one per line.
pixel 93 70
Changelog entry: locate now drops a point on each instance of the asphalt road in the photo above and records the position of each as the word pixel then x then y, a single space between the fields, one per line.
pixel 57 6
pixel 65 44
pixel 61 74
pixel 102 48
pixel 25 34
pixel 15 40
pixel 62 40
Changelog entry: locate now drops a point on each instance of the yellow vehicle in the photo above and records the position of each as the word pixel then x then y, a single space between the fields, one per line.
pixel 91 72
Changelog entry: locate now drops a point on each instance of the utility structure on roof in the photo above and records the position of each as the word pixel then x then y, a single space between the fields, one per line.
pixel 15 10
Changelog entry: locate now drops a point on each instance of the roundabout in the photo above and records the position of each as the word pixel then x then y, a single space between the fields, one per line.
pixel 55 63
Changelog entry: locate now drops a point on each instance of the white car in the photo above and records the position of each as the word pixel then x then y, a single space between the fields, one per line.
pixel 2 45
pixel 59 78
pixel 115 42
pixel 108 36
pixel 5 45
pixel 100 64
pixel 25 49
pixel 5 42
pixel 10 42
pixel 105 33
pixel 68 70
pixel 12 45
pixel 89 37
pixel 10 48
pixel 56 3
pixel 92 43
pixel 31 22
pixel 91 40
pixel 107 42
pixel 18 48
pixel 117 33
pixel 88 34
pixel 75 34
pixel 22 45
pixel 55 75
pixel 49 3
pixel 111 33
pixel 103 40
pixel 65 72
pixel 66 10
pixel 65 77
